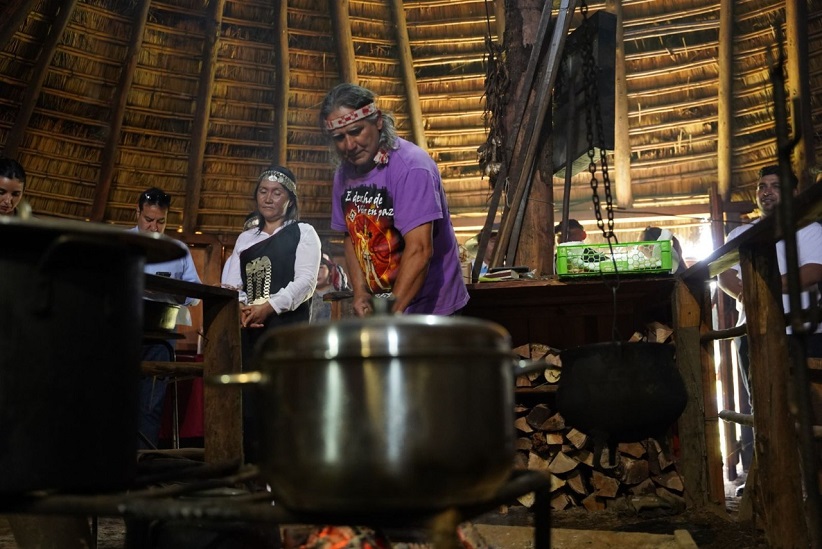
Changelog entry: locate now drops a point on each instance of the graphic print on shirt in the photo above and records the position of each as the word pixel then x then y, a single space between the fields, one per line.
pixel 369 216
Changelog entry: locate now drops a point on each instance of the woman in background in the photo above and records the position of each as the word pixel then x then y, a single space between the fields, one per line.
pixel 274 267
pixel 12 185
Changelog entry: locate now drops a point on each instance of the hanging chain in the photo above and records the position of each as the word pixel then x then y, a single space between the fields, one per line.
pixel 593 116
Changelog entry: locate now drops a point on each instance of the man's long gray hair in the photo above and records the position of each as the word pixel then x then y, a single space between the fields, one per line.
pixel 355 97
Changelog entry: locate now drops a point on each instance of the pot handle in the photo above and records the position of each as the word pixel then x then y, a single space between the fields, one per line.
pixel 522 367
pixel 245 378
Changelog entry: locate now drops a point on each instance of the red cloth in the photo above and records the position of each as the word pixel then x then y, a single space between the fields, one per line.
pixel 189 405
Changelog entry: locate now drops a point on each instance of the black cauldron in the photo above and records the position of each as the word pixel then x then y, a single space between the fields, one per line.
pixel 620 392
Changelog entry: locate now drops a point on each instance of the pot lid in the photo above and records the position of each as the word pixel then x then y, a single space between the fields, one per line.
pixel 386 336
pixel 38 233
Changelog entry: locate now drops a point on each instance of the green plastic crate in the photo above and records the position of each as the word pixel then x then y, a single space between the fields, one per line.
pixel 580 260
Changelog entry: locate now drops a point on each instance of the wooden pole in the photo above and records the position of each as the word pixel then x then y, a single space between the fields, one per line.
pixel 796 22
pixel 724 156
pixel 346 60
pixel 701 463
pixel 412 94
pixel 779 476
pixel 107 161
pixel 622 141
pixel 499 19
pixel 61 21
pixel 283 85
pixel 13 17
pixel 199 132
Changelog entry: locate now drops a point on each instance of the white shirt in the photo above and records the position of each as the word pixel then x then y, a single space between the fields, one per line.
pixel 808 249
pixel 306 265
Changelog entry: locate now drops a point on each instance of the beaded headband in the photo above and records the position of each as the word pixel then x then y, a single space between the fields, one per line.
pixel 353 116
pixel 281 178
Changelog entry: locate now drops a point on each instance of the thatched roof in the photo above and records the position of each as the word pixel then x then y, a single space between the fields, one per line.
pixel 65 66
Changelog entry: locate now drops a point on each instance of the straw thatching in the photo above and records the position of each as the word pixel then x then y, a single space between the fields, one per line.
pixel 103 98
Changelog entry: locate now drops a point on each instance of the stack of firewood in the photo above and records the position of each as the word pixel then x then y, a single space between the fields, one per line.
pixel 644 473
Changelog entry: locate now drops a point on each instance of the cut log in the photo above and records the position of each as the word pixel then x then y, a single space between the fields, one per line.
pixel 527 500
pixel 576 482
pixel 657 457
pixel 521 461
pixel 634 471
pixel 557 483
pixel 560 501
pixel 644 488
pixel 604 486
pixel 577 438
pixel 592 503
pixel 521 424
pixel 633 449
pixel 658 332
pixel 538 415
pixel 586 457
pixel 523 381
pixel 554 439
pixel 523 443
pixel 538 463
pixel 552 375
pixel 554 423
pixel 562 463
pixel 670 480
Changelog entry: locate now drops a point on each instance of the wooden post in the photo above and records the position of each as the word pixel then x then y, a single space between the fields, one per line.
pixel 622 141
pixel 724 157
pixel 282 87
pixel 107 161
pixel 799 93
pixel 342 39
pixel 199 129
pixel 779 477
pixel 61 21
pixel 701 462
pixel 412 94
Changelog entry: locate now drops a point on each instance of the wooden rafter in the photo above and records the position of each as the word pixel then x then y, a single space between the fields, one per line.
pixel 199 128
pixel 107 162
pixel 408 76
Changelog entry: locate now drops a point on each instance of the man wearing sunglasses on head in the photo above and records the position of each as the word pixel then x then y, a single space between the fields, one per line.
pixel 152 216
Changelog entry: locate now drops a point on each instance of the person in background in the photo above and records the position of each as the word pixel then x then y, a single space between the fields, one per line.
pixel 489 250
pixel 577 235
pixel 12 185
pixel 274 267
pixel 809 251
pixel 152 216
pixel 655 234
pixel 388 198
pixel 330 278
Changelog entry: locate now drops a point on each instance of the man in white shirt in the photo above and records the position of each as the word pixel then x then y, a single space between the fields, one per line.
pixel 809 251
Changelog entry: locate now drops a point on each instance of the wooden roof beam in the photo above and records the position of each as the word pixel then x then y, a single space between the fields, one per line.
pixel 340 18
pixel 107 162
pixel 282 86
pixel 199 128
pixel 412 94
pixel 21 123
pixel 13 16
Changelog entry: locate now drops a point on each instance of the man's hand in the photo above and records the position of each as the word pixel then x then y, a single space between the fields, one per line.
pixel 362 305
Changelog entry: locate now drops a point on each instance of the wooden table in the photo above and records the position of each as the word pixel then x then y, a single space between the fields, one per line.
pixel 222 354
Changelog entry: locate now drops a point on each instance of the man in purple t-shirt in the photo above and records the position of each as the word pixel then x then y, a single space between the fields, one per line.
pixel 388 198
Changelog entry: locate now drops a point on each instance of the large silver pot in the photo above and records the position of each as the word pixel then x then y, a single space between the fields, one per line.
pixel 386 413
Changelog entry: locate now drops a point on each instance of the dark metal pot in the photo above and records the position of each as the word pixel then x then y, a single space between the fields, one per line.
pixel 71 302
pixel 386 413
pixel 621 392
pixel 159 316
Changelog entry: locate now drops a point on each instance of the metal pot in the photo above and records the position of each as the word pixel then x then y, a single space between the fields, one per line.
pixel 620 392
pixel 71 301
pixel 386 413
pixel 159 316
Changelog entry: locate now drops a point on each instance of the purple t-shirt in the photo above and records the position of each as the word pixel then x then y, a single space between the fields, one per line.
pixel 379 207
